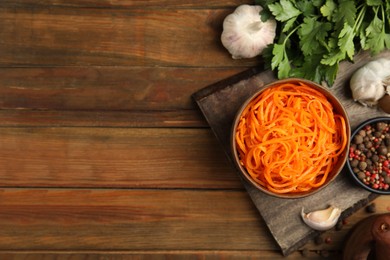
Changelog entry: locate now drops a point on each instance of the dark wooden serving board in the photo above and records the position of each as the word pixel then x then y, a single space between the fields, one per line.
pixel 219 104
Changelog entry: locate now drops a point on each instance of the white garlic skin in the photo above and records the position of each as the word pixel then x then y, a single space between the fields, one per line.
pixel 369 83
pixel 322 219
pixel 244 34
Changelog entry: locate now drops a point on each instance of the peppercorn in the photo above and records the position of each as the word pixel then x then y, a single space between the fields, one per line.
pixel 354 163
pixel 361 147
pixel 368 144
pixel 361 175
pixel 318 240
pixel 387 141
pixel 362 165
pixel 382 150
pixel 386 179
pixel 380 126
pixel 362 132
pixel 358 139
pixel 305 252
pixel 371 208
pixel 375 158
pixel 339 225
pixel 325 253
pixel 368 161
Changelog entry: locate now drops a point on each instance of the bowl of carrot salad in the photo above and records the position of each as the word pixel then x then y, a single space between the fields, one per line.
pixel 291 138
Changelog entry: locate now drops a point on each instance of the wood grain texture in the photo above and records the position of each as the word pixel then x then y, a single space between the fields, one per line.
pixel 127 3
pixel 109 37
pixel 162 255
pixel 77 118
pixel 129 220
pixel 103 155
pixel 105 88
pixel 113 157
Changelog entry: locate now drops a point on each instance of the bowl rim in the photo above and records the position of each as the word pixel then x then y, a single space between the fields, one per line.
pixel 330 96
pixel 354 132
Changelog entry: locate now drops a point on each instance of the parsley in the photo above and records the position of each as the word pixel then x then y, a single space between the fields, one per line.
pixel 313 37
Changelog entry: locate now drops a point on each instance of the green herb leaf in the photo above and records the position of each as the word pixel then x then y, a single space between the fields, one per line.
pixel 345 43
pixel 328 9
pixel 306 7
pixel 313 35
pixel 346 13
pixel 289 24
pixel 281 61
pixel 278 52
pixel 374 2
pixel 283 11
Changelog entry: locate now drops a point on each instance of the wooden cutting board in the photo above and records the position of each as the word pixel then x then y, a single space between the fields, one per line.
pixel 219 104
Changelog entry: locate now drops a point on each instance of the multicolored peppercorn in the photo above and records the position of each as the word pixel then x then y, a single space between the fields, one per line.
pixel 369 155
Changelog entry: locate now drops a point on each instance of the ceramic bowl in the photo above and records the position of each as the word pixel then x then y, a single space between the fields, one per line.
pixel 369 157
pixel 337 109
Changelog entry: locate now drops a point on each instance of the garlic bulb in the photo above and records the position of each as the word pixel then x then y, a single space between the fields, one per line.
pixel 244 34
pixel 322 219
pixel 371 82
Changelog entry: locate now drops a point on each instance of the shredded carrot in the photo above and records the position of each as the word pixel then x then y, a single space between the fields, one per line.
pixel 289 138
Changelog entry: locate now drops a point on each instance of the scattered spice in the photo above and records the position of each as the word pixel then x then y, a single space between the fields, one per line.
pixel 325 253
pixel 305 252
pixel 318 240
pixel 328 240
pixel 371 208
pixel 339 225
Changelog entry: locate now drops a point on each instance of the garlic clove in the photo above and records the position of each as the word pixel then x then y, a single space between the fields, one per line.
pixel 322 219
pixel 244 35
pixel 368 82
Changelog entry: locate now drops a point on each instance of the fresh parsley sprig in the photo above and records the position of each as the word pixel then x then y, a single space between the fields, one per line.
pixel 313 37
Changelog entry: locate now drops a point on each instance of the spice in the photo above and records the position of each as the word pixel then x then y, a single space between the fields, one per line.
pixel 319 240
pixel 369 155
pixel 371 208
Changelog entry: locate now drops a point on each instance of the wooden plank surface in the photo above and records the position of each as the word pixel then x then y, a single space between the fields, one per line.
pixel 128 3
pixel 113 157
pixel 105 88
pixel 112 37
pixel 118 220
pixel 103 155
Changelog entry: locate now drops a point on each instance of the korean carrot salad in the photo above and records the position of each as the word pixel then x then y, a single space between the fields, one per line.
pixel 289 138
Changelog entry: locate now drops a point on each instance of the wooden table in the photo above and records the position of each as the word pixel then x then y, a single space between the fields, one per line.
pixel 103 153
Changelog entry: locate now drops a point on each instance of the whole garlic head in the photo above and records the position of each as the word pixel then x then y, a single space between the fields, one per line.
pixel 244 34
pixel 322 219
pixel 370 83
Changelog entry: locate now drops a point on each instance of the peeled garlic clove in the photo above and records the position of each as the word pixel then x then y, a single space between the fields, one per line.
pixel 322 219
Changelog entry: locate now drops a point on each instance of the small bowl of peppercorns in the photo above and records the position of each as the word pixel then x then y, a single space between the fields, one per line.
pixel 369 155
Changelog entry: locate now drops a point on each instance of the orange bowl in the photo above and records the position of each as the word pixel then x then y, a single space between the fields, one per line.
pixel 290 139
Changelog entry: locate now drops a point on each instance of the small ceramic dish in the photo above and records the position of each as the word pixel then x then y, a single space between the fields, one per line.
pixel 369 155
